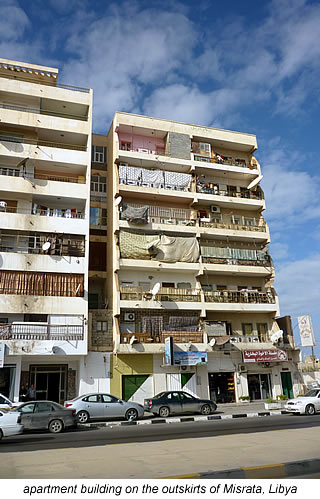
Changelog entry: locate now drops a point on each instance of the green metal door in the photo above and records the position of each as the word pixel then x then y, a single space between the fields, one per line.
pixel 130 384
pixel 287 384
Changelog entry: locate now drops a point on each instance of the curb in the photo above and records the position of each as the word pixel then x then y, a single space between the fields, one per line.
pixel 182 419
pixel 283 470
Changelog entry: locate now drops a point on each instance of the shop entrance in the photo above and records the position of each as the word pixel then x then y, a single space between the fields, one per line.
pixel 7 379
pixel 287 384
pixel 50 382
pixel 221 386
pixel 259 386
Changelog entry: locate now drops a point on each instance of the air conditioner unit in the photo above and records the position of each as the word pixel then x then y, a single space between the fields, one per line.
pixel 242 368
pixel 215 209
pixel 129 316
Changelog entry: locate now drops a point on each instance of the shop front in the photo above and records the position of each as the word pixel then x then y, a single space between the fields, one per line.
pixel 7 380
pixel 222 387
pixel 259 386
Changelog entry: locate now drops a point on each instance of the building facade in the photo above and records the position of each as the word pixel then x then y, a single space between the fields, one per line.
pixel 188 264
pixel 45 148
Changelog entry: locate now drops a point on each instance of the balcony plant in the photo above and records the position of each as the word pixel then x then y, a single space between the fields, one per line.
pixel 244 398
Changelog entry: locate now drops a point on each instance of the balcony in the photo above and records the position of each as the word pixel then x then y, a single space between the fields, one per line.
pixel 11 138
pixel 220 160
pixel 44 112
pixel 204 188
pixel 138 293
pixel 51 284
pixel 245 296
pixel 64 245
pixel 161 215
pixel 178 337
pixel 154 179
pixel 235 256
pixel 43 211
pixel 41 331
pixel 262 227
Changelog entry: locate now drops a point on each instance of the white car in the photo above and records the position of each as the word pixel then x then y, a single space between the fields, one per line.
pixel 309 403
pixel 10 424
pixel 5 403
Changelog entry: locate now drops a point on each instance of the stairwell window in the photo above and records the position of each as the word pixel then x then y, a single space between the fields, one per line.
pixel 99 154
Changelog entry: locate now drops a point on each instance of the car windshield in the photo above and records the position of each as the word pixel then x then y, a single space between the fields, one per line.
pixel 311 393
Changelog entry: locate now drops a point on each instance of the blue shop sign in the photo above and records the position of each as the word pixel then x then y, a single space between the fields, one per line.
pixel 190 358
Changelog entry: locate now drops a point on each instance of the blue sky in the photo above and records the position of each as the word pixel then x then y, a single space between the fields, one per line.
pixel 249 66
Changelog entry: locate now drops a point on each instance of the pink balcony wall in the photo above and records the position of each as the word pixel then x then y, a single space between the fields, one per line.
pixel 151 145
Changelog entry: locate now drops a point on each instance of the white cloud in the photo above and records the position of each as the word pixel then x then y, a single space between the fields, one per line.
pixel 279 251
pixel 13 21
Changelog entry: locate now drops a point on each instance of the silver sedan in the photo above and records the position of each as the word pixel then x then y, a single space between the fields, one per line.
pixel 103 405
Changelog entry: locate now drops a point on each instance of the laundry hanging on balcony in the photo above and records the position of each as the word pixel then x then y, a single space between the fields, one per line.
pixel 177 249
pixel 136 245
pixel 134 214
pixel 154 178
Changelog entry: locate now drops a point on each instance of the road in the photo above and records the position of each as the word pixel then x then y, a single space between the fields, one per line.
pixel 83 437
pixel 157 451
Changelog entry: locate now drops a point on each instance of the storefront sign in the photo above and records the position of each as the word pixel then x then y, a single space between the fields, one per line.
pixel 274 355
pixel 2 349
pixel 168 351
pixel 306 331
pixel 190 358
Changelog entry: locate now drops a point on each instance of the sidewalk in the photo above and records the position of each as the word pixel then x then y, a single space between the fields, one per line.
pixel 224 411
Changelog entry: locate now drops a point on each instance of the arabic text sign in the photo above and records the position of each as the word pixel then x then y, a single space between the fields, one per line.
pixel 275 355
pixel 306 331
pixel 190 358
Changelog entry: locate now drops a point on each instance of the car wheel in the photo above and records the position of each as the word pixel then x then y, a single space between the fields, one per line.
pixel 83 417
pixel 55 426
pixel 164 412
pixel 310 410
pixel 1 435
pixel 131 415
pixel 205 409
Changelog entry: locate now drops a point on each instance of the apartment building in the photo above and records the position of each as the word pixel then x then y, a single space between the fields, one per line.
pixel 45 149
pixel 189 274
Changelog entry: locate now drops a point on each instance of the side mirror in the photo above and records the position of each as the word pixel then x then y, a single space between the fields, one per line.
pixel 120 401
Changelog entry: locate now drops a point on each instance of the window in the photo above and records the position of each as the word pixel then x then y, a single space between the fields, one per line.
pixel 187 396
pixel 244 192
pixel 93 301
pixel 221 287
pixel 109 399
pixel 144 285
pixel 12 172
pixel 184 285
pixel 247 329
pixel 44 407
pixel 168 284
pixel 216 219
pixel 249 221
pixel 98 184
pixel 231 190
pixel 262 329
pixel 101 326
pixel 205 148
pixel 173 396
pixel 99 154
pixel 98 216
pixel 91 398
pixel 236 220
pixel 27 409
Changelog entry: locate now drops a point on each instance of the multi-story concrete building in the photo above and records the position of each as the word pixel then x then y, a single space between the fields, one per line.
pixel 188 259
pixel 45 148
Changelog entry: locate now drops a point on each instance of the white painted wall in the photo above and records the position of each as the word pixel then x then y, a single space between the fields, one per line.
pixel 94 373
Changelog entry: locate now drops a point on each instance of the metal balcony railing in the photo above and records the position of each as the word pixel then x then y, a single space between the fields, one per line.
pixel 245 296
pixel 15 172
pixel 265 262
pixel 46 212
pixel 178 337
pixel 41 331
pixel 262 227
pixel 51 83
pixel 32 244
pixel 215 191
pixel 172 216
pixel 228 162
pixel 165 294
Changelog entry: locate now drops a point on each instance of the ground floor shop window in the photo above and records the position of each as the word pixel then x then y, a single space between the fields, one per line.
pixel 7 379
pixel 221 387
pixel 259 386
pixel 50 382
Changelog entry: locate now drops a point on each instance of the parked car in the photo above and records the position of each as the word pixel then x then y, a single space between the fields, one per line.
pixel 309 403
pixel 10 424
pixel 177 402
pixel 44 414
pixel 103 405
pixel 6 403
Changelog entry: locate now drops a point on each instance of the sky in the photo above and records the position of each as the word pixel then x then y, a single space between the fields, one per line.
pixel 247 66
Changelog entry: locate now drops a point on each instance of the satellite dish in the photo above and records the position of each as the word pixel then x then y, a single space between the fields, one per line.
pixel 46 246
pixel 117 201
pixel 255 182
pixel 132 340
pixel 212 342
pixel 155 289
pixel 278 335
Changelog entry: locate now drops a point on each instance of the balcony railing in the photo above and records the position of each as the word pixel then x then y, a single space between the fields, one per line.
pixel 45 212
pixel 162 215
pixel 156 152
pixel 52 83
pixel 178 337
pixel 215 191
pixel 38 142
pixel 64 245
pixel 266 262
pixel 44 111
pixel 41 331
pixel 208 159
pixel 245 296
pixel 217 225
pixel 165 294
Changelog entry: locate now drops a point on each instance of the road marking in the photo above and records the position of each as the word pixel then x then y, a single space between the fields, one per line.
pixel 266 471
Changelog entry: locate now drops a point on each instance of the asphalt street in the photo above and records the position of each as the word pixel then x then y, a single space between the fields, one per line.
pixel 88 437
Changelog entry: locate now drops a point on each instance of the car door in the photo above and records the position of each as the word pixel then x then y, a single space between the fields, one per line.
pixel 317 403
pixel 174 402
pixel 26 412
pixel 42 414
pixel 113 407
pixel 189 403
pixel 94 406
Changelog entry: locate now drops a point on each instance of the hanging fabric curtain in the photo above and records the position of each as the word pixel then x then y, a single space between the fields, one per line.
pixel 177 249
pixel 136 245
pixel 152 325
